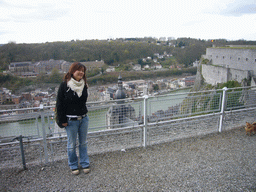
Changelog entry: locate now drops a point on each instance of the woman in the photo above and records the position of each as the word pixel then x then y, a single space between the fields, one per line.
pixel 72 113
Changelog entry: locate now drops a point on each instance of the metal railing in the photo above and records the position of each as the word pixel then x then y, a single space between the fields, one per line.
pixel 121 124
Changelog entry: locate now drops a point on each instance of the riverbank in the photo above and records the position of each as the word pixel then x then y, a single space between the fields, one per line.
pixel 18 117
pixel 223 161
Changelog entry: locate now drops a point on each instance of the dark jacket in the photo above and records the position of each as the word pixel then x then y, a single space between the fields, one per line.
pixel 68 102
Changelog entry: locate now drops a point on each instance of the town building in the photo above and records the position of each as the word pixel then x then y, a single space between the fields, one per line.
pixel 48 66
pixel 19 68
pixel 137 67
pixel 91 65
pixel 157 66
pixel 2 97
pixel 29 69
pixel 110 69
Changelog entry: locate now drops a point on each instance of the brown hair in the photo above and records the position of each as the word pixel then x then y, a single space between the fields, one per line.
pixel 74 67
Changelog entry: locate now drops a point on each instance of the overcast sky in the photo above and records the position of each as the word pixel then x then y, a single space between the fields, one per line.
pixel 40 21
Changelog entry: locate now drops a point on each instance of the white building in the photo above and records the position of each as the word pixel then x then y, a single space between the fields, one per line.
pixel 146 67
pixel 157 66
pixel 137 67
pixel 110 69
pixel 104 96
pixel 181 82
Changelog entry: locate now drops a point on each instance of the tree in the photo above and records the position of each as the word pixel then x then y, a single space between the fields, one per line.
pixel 155 87
pixel 140 61
pixel 55 76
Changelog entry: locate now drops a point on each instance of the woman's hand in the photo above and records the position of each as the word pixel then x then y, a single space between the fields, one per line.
pixel 65 124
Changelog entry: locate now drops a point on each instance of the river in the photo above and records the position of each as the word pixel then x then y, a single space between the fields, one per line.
pixel 33 127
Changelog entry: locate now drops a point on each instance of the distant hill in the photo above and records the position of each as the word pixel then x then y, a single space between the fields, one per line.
pixel 113 52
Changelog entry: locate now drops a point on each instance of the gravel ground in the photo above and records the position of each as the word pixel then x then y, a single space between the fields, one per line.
pixel 217 162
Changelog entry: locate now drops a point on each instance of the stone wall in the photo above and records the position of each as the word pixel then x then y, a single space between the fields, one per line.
pixel 213 74
pixel 229 64
pixel 243 59
pixel 217 74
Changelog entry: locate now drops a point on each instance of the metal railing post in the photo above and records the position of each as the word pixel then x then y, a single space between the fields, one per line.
pixel 223 105
pixel 145 121
pixel 22 153
pixel 44 134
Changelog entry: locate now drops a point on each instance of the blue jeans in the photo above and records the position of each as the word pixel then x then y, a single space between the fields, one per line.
pixel 80 128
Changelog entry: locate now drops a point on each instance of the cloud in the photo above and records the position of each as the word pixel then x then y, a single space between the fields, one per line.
pixel 250 36
pixel 1 32
pixel 39 15
pixel 3 3
pixel 46 20
pixel 31 12
pixel 239 8
pixel 4 32
pixel 192 23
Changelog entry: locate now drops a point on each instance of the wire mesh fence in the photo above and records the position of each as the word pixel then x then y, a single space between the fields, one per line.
pixel 182 128
pixel 183 105
pixel 118 125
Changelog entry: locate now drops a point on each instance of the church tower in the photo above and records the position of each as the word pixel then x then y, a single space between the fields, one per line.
pixel 120 114
pixel 120 94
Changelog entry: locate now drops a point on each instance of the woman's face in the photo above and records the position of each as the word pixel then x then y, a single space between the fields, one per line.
pixel 78 74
